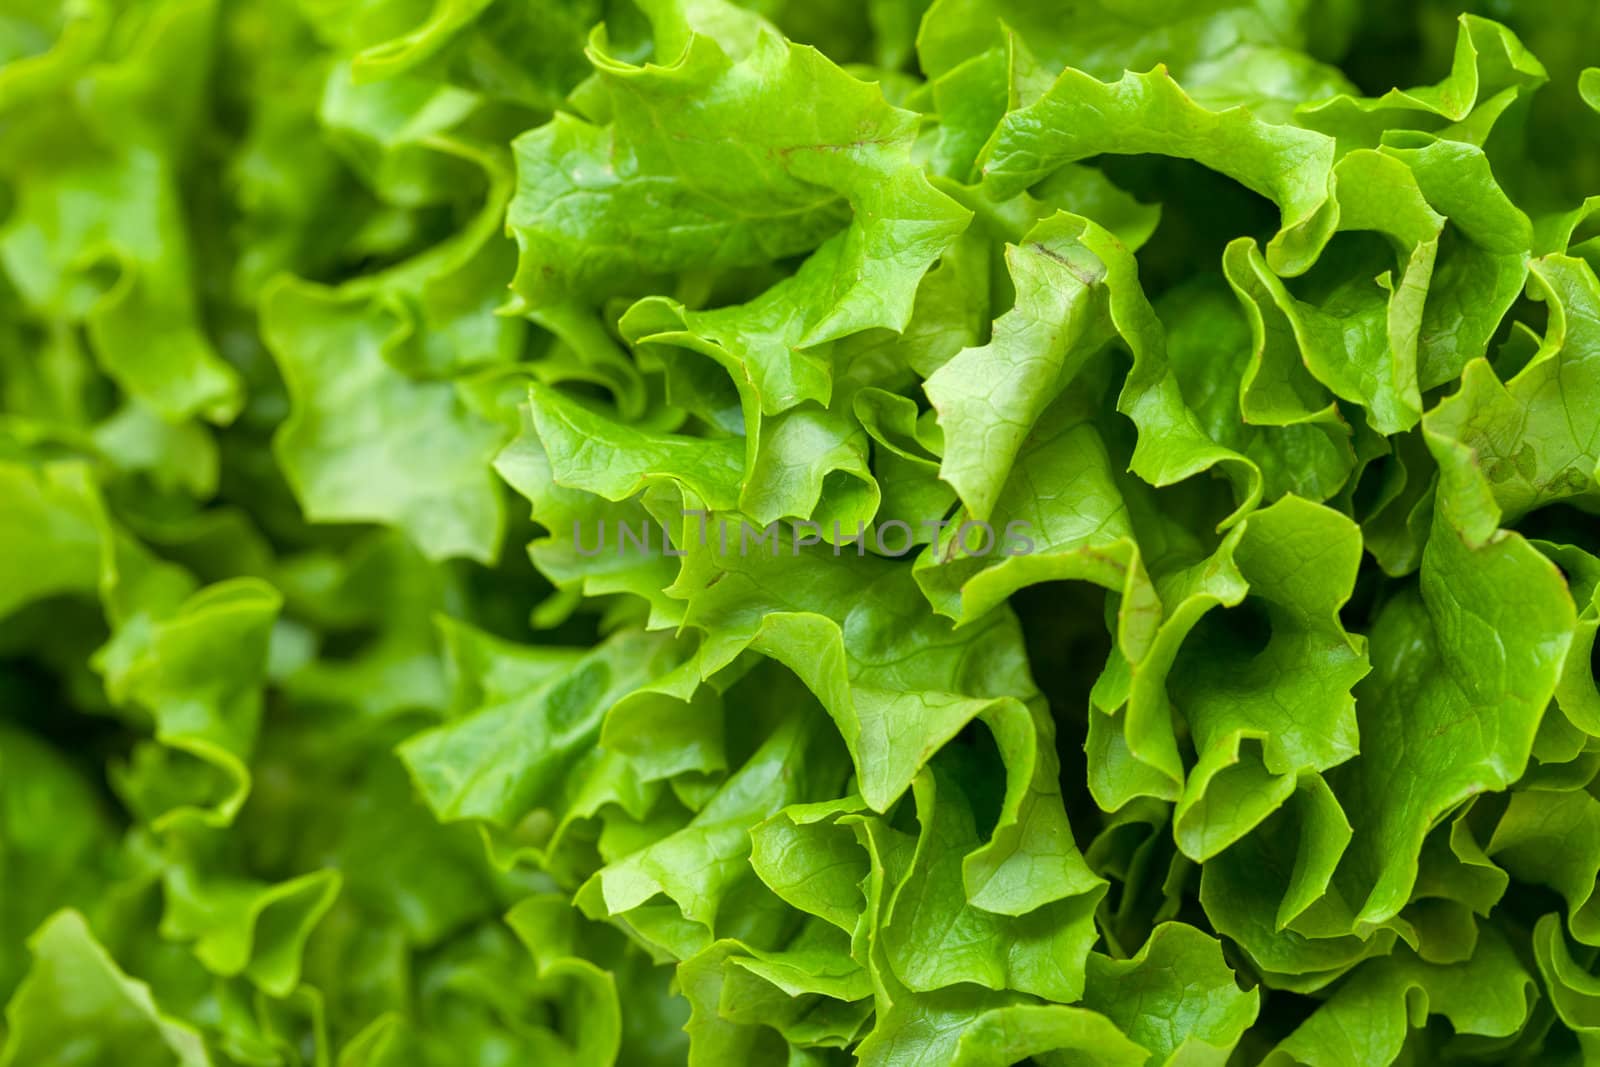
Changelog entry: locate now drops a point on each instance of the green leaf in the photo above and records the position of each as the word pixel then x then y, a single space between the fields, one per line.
pixel 592 198
pixel 1506 449
pixel 1177 997
pixel 1080 117
pixel 501 760
pixel 49 533
pixel 78 1007
pixel 1473 656
pixel 1260 718
pixel 417 460
pixel 1365 1020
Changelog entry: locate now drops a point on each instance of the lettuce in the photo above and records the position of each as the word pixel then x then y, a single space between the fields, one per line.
pixel 911 532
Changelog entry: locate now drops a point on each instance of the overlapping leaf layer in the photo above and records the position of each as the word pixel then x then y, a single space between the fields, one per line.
pixel 1261 338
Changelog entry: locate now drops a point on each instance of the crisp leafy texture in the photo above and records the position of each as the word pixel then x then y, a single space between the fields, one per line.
pixel 799 532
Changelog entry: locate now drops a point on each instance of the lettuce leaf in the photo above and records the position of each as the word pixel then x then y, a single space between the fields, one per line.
pixel 1053 534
